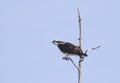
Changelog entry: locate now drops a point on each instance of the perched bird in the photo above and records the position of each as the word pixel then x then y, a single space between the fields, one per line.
pixel 69 49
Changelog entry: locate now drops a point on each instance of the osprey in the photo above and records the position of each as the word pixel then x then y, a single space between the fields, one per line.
pixel 69 49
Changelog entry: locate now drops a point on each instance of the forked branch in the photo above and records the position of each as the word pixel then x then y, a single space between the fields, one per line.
pixel 79 66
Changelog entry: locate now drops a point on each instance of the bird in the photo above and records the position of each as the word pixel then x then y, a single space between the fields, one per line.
pixel 69 49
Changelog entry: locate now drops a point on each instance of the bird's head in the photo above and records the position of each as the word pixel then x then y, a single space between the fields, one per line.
pixel 57 42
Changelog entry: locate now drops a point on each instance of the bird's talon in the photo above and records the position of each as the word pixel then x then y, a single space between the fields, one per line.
pixel 65 58
pixel 81 59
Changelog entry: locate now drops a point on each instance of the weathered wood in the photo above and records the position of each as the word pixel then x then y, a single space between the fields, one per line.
pixel 80 44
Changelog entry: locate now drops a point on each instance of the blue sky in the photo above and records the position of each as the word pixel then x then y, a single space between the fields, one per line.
pixel 27 28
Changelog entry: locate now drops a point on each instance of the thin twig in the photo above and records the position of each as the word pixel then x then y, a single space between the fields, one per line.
pixel 73 63
pixel 92 49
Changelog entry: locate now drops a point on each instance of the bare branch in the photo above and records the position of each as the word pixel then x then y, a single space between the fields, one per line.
pixel 92 49
pixel 73 63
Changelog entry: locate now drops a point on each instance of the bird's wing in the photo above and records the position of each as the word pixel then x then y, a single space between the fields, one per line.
pixel 70 46
pixel 78 49
pixel 73 47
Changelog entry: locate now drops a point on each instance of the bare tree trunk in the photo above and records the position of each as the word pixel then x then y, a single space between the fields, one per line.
pixel 80 73
pixel 79 66
pixel 80 44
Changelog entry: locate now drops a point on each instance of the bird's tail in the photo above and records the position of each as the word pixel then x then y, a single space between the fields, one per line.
pixel 84 54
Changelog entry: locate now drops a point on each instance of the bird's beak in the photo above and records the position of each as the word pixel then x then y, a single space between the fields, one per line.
pixel 53 41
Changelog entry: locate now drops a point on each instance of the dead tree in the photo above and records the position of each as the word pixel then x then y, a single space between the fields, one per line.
pixel 79 66
pixel 81 59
